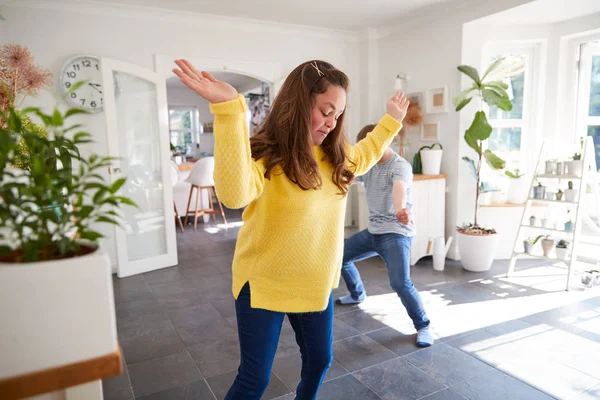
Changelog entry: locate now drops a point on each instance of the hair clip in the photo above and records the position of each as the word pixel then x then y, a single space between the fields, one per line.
pixel 314 64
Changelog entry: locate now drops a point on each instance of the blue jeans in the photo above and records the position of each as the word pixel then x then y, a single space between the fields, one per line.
pixel 395 251
pixel 259 331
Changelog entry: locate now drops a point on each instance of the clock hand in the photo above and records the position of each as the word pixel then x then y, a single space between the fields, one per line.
pixel 94 86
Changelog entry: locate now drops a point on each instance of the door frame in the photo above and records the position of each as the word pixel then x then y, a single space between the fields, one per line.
pixel 124 266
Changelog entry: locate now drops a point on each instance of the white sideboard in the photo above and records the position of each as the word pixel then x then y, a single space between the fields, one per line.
pixel 429 208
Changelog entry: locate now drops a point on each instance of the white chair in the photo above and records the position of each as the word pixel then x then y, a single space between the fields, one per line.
pixel 174 181
pixel 201 178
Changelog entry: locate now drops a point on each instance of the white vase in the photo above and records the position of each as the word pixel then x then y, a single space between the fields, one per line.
pixel 518 191
pixel 574 167
pixel 431 161
pixel 477 252
pixel 56 313
pixel 571 195
pixel 562 253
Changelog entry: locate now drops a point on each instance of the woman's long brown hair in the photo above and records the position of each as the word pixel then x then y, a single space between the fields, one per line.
pixel 284 140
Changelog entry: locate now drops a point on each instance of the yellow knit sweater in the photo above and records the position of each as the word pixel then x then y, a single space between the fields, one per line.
pixel 291 244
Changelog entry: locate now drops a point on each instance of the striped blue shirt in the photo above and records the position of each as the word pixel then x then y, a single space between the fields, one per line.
pixel 378 184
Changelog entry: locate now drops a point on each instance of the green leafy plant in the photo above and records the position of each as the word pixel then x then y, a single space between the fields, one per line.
pixel 48 211
pixel 570 184
pixel 493 94
pixel 562 244
pixel 516 174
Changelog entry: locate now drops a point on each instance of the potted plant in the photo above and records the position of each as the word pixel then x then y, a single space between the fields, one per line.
pixel 539 191
pixel 431 159
pixel 569 223
pixel 575 166
pixel 562 249
pixel 518 188
pixel 532 220
pixel 529 244
pixel 477 244
pixel 559 195
pixel 547 245
pixel 570 193
pixel 54 276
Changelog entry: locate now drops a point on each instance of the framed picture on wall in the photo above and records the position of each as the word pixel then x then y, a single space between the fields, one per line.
pixel 430 131
pixel 437 100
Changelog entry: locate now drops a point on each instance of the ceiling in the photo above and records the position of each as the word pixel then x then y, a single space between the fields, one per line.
pixel 544 12
pixel 333 14
pixel 241 83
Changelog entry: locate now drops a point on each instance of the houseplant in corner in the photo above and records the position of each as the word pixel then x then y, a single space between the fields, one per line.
pixel 477 244
pixel 56 297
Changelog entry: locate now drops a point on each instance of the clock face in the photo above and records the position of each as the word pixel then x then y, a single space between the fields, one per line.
pixel 89 96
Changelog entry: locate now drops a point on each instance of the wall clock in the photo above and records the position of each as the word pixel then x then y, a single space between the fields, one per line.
pixel 90 95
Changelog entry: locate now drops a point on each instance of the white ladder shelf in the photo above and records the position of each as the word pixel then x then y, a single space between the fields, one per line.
pixel 589 176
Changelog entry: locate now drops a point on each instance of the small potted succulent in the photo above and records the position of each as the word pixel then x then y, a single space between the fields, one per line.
pixel 529 244
pixel 559 195
pixel 569 223
pixel 570 193
pixel 532 220
pixel 562 249
pixel 575 166
pixel 547 245
pixel 539 191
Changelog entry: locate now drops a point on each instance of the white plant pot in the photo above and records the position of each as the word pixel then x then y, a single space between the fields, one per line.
pixel 498 197
pixel 477 252
pixel 55 313
pixel 562 253
pixel 571 195
pixel 518 190
pixel 574 167
pixel 431 161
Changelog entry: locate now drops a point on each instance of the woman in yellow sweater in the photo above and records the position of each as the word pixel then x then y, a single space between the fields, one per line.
pixel 293 176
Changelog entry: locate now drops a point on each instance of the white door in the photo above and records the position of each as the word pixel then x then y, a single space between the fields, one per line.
pixel 135 105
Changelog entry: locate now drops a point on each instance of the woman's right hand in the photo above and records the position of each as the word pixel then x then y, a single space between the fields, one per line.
pixel 204 84
pixel 397 106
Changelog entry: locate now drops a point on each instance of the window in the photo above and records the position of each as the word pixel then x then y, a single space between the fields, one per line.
pixel 588 103
pixel 513 136
pixel 184 126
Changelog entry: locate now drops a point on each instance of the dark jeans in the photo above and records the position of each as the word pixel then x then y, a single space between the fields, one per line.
pixel 395 251
pixel 259 331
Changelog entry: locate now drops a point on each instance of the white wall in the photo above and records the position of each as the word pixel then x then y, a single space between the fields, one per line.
pixel 429 48
pixel 186 97
pixel 56 30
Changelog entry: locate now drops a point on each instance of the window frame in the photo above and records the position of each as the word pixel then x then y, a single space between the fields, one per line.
pixel 194 130
pixel 531 138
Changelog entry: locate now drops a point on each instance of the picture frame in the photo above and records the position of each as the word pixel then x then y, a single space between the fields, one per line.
pixel 430 131
pixel 436 101
pixel 416 98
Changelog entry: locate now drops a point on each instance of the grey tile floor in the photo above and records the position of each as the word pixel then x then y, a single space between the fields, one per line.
pixel 519 338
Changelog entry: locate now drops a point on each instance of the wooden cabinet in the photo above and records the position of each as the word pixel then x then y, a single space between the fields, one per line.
pixel 429 209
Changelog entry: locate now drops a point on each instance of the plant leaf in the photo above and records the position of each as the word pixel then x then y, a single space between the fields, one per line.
pixel 496 85
pixel 74 111
pixel 494 161
pixel 471 166
pixel 91 235
pixel 57 119
pixel 117 185
pixel 515 175
pixel 463 103
pixel 14 122
pixel 471 73
pixel 473 143
pixel 492 67
pixel 480 129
